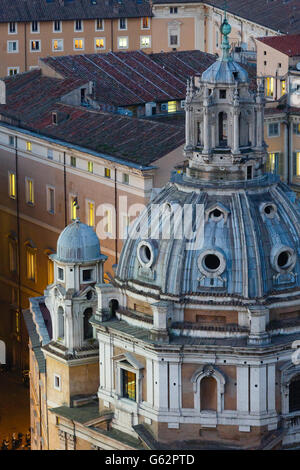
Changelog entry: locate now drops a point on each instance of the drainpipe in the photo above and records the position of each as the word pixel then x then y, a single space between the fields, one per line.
pixel 287 149
pixel 116 219
pixel 25 46
pixel 65 190
pixel 19 243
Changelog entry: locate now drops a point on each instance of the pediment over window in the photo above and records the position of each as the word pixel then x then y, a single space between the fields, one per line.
pixel 128 359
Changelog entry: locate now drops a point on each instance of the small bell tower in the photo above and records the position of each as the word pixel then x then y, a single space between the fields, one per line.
pixel 224 121
pixel 71 299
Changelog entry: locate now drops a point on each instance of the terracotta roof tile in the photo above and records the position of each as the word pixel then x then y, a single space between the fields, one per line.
pixel 288 44
pixel 42 10
pixel 279 15
pixel 31 99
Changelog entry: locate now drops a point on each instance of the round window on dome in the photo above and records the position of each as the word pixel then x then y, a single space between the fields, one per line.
pixel 145 253
pixel 212 263
pixel 268 210
pixel 284 259
pixel 216 214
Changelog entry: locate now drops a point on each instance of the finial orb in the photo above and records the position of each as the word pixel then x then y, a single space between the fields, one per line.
pixel 225 28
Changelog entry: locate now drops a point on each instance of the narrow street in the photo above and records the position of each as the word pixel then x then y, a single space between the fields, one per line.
pixel 14 406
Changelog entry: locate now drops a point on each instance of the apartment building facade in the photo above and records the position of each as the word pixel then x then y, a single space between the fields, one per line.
pixel 39 29
pixel 48 179
pixel 278 63
pixel 192 24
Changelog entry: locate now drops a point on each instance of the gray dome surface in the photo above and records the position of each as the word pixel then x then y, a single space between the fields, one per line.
pixel 225 71
pixel 250 244
pixel 77 243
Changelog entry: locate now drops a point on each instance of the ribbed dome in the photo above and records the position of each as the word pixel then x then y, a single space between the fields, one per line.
pixel 78 243
pixel 249 247
pixel 225 71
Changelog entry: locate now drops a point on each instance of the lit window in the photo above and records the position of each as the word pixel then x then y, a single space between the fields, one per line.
pixel 57 45
pixel 128 384
pixel 125 178
pixel 272 163
pixel 145 42
pixel 57 26
pixel 29 146
pixel 123 23
pixel 296 128
pixel 50 199
pixel 31 264
pixel 283 87
pixel 29 191
pixel 90 167
pixel 73 161
pixel 12 27
pixel 91 214
pixel 13 71
pixel 269 86
pixel 99 43
pixel 78 25
pixel 107 172
pixel 50 271
pixel 34 26
pixel 108 217
pixel 78 44
pixel 12 46
pixel 12 185
pixel 297 163
pixel 35 46
pixel 123 43
pixel 273 129
pixel 99 24
pixel 74 207
pixel 172 106
pixel 146 22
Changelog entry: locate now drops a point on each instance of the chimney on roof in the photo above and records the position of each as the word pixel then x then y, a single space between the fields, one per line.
pixel 2 92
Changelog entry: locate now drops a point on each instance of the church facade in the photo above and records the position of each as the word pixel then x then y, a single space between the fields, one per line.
pixel 193 342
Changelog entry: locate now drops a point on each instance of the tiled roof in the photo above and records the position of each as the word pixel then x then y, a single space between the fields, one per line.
pixel 131 78
pixel 31 99
pixel 288 44
pixel 45 10
pixel 279 15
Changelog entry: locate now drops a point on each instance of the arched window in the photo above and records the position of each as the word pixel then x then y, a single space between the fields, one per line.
pixel 60 323
pixel 87 327
pixel 294 394
pixel 223 129
pixel 113 307
pixel 208 394
pixel 208 385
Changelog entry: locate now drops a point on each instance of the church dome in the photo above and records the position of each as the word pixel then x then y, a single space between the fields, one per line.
pixel 228 72
pixel 248 244
pixel 78 243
